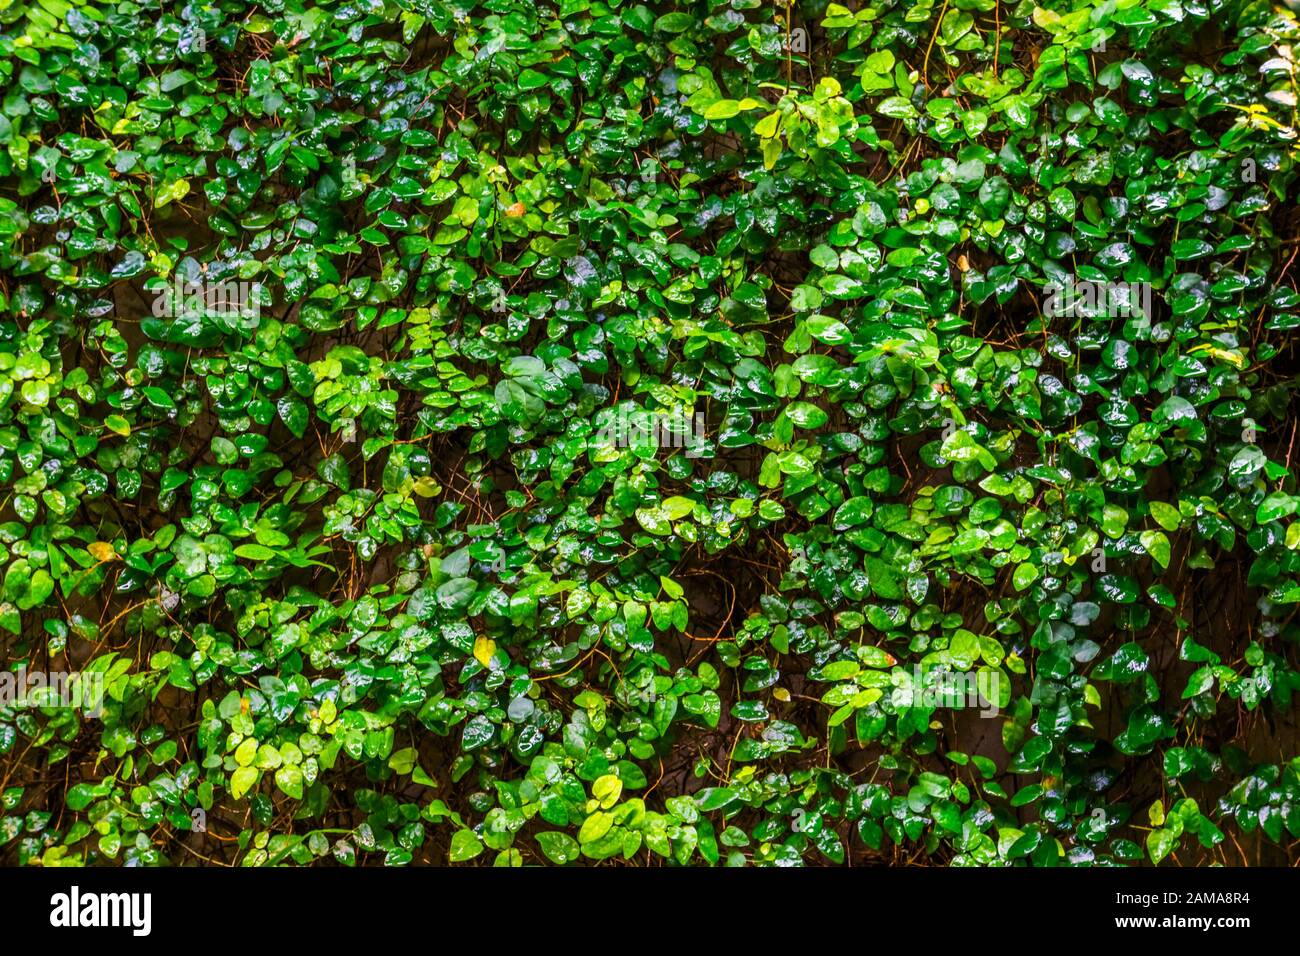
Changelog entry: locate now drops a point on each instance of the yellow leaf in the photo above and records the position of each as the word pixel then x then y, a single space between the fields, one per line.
pixel 771 152
pixel 1156 814
pixel 767 126
pixel 1293 535
pixel 606 789
pixel 1046 19
pixel 101 551
pixel 484 648
pixel 426 487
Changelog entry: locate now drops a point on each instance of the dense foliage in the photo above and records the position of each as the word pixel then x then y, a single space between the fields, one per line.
pixel 393 562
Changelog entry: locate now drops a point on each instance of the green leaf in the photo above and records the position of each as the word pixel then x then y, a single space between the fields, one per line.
pixel 806 415
pixel 559 847
pixel 1165 515
pixel 1160 843
pixel 293 412
pixel 1276 505
pixel 884 579
pixel 1157 545
pixel 1024 575
pixel 1062 202
pixel 289 779
pixel 465 845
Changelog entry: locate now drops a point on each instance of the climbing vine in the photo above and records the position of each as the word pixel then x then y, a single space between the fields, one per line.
pixel 707 433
